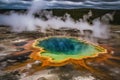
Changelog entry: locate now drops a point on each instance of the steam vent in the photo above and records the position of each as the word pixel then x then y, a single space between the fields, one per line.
pixel 58 51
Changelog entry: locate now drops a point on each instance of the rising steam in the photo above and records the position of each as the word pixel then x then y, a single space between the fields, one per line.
pixel 28 22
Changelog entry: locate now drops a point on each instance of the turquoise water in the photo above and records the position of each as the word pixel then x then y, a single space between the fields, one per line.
pixel 68 46
pixel 60 48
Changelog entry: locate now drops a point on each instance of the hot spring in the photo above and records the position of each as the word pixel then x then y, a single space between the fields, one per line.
pixel 62 48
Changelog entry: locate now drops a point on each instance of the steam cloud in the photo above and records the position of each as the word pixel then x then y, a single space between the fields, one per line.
pixel 28 22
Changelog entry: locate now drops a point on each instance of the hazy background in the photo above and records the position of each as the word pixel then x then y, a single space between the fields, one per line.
pixel 66 4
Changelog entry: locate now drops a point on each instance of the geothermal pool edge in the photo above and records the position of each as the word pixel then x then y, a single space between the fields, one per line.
pixel 38 56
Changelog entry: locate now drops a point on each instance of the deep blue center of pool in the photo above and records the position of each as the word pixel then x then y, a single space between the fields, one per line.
pixel 60 45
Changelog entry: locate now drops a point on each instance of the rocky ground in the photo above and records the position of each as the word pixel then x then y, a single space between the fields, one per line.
pixel 8 41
